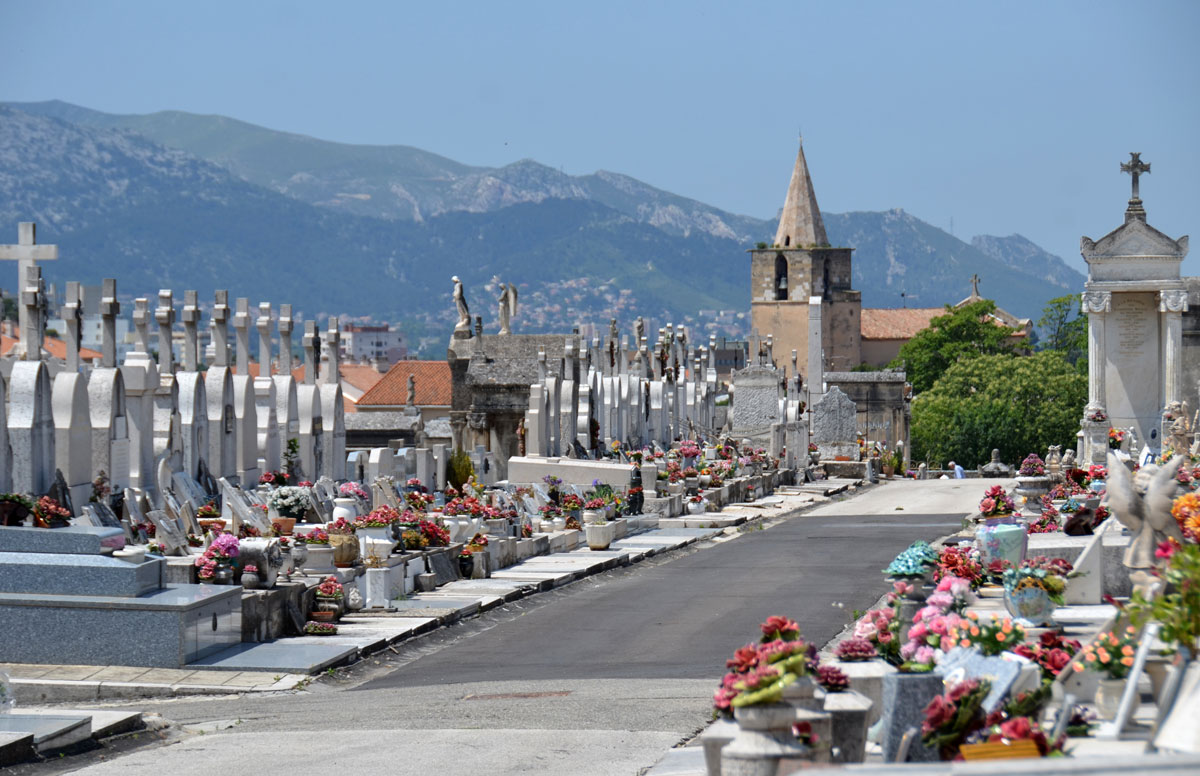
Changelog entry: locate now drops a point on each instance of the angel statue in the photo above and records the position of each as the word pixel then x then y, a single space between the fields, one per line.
pixel 1142 503
pixel 464 312
pixel 508 306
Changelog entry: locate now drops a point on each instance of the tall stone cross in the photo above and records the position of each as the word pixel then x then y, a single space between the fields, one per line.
pixel 333 336
pixel 541 366
pixel 141 324
pixel 975 285
pixel 164 316
pixel 191 326
pixel 32 313
pixel 263 324
pixel 220 329
pixel 311 343
pixel 110 308
pixel 241 331
pixel 286 324
pixel 72 313
pixel 1135 167
pixel 27 251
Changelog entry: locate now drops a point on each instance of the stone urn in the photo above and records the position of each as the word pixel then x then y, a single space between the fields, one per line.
pixel 1031 489
pixel 251 580
pixel 599 535
pixel 345 549
pixel 592 516
pixel 696 507
pixel 851 715
pixel 223 575
pixel 1108 697
pixel 345 508
pixel 375 540
pixel 763 740
pixel 675 488
pixel 320 559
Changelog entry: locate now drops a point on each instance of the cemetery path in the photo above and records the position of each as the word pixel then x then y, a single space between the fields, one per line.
pixel 599 677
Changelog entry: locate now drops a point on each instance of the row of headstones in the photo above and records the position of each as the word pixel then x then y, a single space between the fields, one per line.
pixel 769 405
pixel 133 420
pixel 653 399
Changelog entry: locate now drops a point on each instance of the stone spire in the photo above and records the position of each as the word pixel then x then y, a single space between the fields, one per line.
pixel 800 223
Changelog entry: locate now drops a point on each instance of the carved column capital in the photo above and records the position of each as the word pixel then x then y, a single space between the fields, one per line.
pixel 1173 301
pixel 1096 301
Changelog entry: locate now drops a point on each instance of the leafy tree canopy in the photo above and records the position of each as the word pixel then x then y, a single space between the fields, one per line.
pixel 1016 404
pixel 963 333
pixel 1064 330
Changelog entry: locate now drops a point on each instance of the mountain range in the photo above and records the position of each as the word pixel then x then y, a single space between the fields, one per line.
pixel 180 200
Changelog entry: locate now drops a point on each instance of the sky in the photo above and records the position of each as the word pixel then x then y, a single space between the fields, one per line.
pixel 980 118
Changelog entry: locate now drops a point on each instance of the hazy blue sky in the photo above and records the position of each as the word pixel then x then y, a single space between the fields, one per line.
pixel 1007 117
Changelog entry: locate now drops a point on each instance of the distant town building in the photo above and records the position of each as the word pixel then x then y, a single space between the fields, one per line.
pixel 372 343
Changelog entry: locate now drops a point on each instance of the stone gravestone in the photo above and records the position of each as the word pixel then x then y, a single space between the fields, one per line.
pixel 265 399
pixel 106 398
pixel 141 381
pixel 30 408
pixel 69 400
pixel 218 390
pixel 287 404
pixel 834 428
pixel 1007 677
pixel 166 395
pixel 333 438
pixel 193 398
pixel 308 407
pixel 245 413
pixel 755 403
pixel 167 531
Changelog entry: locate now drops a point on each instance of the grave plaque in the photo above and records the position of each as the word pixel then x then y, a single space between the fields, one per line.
pixel 167 531
pixel 1003 673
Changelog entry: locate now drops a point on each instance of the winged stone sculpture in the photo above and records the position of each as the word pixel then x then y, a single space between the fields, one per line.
pixel 1142 503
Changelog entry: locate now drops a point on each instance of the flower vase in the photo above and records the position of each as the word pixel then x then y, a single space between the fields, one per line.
pixel 763 739
pixel 591 516
pixel 345 549
pixel 251 580
pixel 705 480
pixel 223 575
pixel 377 540
pixel 714 738
pixel 320 559
pixel 466 565
pixel 1031 603
pixel 345 508
pixel 1108 697
pixel 1001 539
pixel 560 524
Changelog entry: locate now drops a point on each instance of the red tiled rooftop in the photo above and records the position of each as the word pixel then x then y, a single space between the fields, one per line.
pixel 55 347
pixel 902 323
pixel 432 385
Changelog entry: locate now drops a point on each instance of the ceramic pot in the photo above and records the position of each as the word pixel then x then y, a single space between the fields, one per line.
pixel 560 524
pixel 251 580
pixel 345 507
pixel 592 516
pixel 1031 603
pixel 600 536
pixel 320 559
pixel 345 549
pixel 375 539
pixel 705 480
pixel 323 615
pixel 284 525
pixel 675 488
pixel 1108 697
pixel 696 507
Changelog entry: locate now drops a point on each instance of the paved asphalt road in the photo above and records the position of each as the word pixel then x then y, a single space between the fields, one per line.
pixel 600 677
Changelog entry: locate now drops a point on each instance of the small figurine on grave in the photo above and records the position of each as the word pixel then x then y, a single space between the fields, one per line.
pixel 1142 503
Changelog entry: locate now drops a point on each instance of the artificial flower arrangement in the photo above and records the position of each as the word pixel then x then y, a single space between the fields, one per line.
pixel 594 504
pixel 414 540
pixel 552 482
pixel 689 449
pixel 1097 472
pixel 48 510
pixel 340 527
pixel 353 490
pixel 881 628
pixel 1032 466
pixel 916 561
pixel 330 588
pixel 289 500
pixel 526 531
pixel 1021 728
pixel 1071 507
pixel 550 511
pixel 1048 574
pixel 929 637
pixel 1095 416
pixel 469 506
pixel 1110 655
pixel 272 478
pixel 832 678
pixel 1116 437
pixel 314 628
pixel 381 516
pixel 224 547
pixel 570 502
pixel 418 500
pixel 1052 653
pixel 992 636
pixel 759 672
pixel 434 533
pixel 951 717
pixel 962 562
pixel 195 541
pixel 855 650
pixel 208 511
pixel 690 472
pixel 1047 522
pixel 315 536
pixel 573 524
pixel 996 502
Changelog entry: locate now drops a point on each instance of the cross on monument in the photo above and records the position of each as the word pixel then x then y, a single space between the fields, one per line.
pixel 164 316
pixel 311 342
pixel 241 329
pixel 72 313
pixel 284 364
pixel 191 324
pixel 1135 167
pixel 975 286
pixel 220 329
pixel 263 324
pixel 110 308
pixel 32 312
pixel 330 374
pixel 141 324
pixel 27 251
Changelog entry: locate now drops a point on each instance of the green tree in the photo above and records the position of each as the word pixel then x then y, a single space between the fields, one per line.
pixel 1063 330
pixel 963 333
pixel 1016 404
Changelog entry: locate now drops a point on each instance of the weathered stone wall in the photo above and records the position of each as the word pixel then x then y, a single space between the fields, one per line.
pixel 883 409
pixel 1191 345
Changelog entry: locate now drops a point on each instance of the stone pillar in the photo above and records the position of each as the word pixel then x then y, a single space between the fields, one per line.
pixel 1096 304
pixel 1172 305
pixel 816 366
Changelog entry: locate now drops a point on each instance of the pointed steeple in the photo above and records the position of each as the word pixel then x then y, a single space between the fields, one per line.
pixel 800 223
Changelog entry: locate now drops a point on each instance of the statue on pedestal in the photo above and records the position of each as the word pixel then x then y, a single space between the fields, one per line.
pixel 464 312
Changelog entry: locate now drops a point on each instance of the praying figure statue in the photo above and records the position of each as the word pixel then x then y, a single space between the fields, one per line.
pixel 464 312
pixel 508 306
pixel 411 400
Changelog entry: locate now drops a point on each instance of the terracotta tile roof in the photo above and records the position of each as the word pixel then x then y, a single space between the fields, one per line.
pixel 896 324
pixel 432 384
pixel 55 347
pixel 364 377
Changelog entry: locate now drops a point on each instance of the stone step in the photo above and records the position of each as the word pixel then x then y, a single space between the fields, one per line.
pixel 51 732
